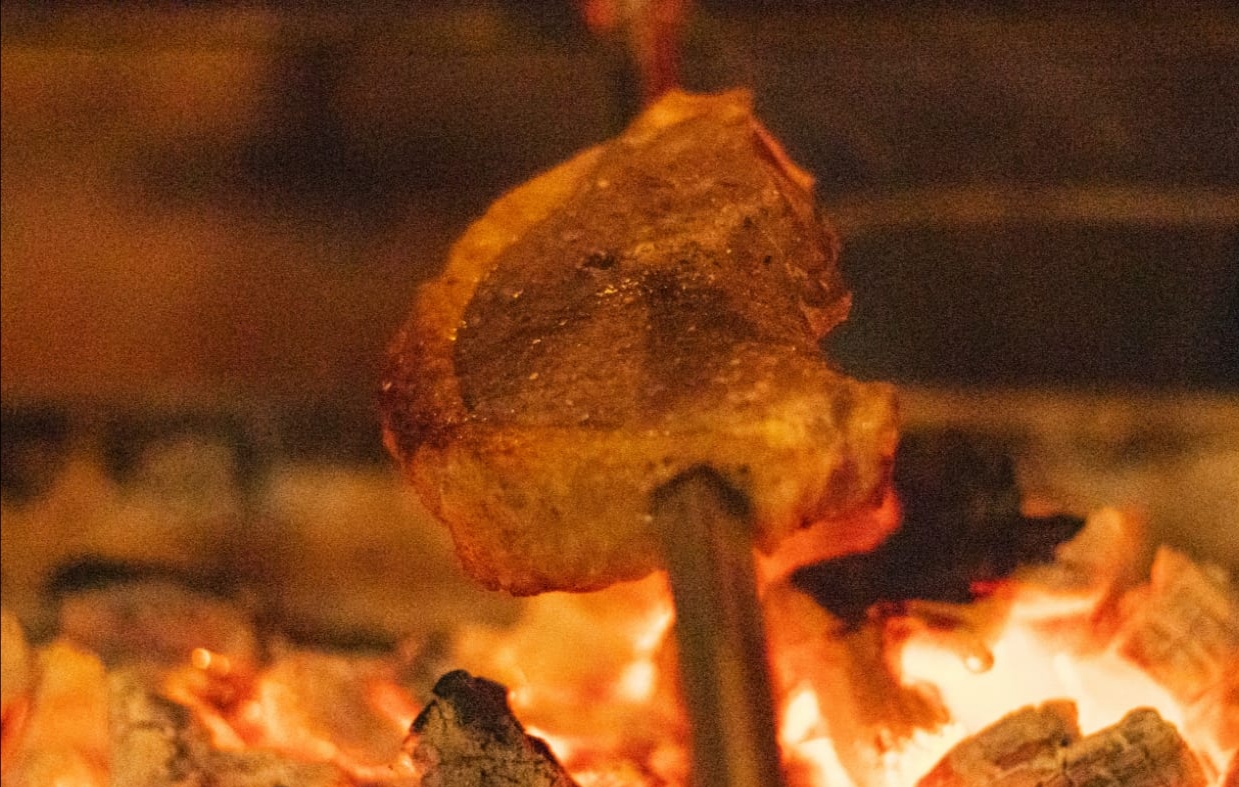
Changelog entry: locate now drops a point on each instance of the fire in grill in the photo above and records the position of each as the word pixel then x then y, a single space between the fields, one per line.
pixel 163 676
pixel 988 642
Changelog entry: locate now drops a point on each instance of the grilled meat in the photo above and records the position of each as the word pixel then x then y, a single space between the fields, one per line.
pixel 652 304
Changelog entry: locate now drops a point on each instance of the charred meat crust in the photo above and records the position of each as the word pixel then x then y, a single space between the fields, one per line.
pixel 651 304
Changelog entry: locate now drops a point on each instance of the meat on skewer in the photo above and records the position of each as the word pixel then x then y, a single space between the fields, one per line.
pixel 653 304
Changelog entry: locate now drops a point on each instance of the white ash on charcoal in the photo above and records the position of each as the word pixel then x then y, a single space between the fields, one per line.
pixel 156 742
pixel 254 498
pixel 162 484
pixel 1183 627
pixel 1026 742
pixel 1043 747
pixel 468 737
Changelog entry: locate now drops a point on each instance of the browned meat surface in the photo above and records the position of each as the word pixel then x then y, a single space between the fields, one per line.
pixel 652 304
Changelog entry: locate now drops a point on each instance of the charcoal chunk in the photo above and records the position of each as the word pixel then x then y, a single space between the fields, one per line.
pixel 468 737
pixel 962 529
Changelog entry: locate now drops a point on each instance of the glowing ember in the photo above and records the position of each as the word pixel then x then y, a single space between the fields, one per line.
pixel 64 739
pixel 877 704
pixel 1048 633
pixel 348 712
pixel 590 675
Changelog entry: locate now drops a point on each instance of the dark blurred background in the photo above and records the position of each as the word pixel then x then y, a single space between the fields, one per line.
pixel 239 199
pixel 214 216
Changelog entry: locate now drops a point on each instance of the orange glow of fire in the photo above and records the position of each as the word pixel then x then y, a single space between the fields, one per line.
pixel 64 739
pixel 591 675
pixel 877 705
pixel 312 707
pixel 1036 639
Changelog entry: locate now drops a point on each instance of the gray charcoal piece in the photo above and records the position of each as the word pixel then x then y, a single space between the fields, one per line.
pixel 468 737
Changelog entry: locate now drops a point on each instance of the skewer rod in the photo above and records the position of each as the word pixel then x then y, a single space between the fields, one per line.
pixel 706 529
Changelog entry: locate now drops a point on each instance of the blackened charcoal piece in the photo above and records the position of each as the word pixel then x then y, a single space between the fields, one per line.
pixel 961 515
pixel 34 443
pixel 961 528
pixel 468 737
pixel 956 480
pixel 182 453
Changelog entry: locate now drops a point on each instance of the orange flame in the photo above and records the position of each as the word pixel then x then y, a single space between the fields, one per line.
pixel 876 707
pixel 1049 633
pixel 594 676
pixel 314 707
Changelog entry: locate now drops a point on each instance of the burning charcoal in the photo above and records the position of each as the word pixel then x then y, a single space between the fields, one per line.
pixel 64 739
pixel 1024 743
pixel 157 743
pixel 1042 747
pixel 128 612
pixel 961 528
pixel 268 769
pixel 331 698
pixel 1142 750
pixel 468 736
pixel 1232 774
pixel 1183 627
pixel 32 451
pixel 860 694
pixel 14 664
pixel 154 741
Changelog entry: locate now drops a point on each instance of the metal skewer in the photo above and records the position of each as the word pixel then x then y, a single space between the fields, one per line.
pixel 706 529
